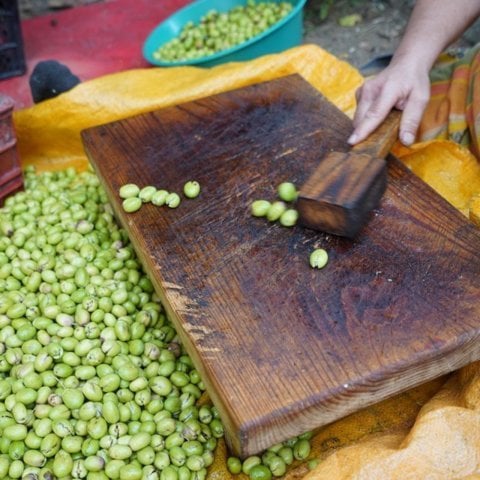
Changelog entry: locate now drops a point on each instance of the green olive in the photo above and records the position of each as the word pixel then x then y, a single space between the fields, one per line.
pixel 15 432
pixel 120 452
pixel 132 204
pixel 172 200
pixel 277 466
pixel 287 192
pixel 250 462
pixel 276 210
pixel 234 465
pixel 301 449
pixel 318 258
pixel 129 190
pixel 131 472
pixel 289 217
pixel 146 193
pixel 260 472
pixel 191 189
pixel 259 208
pixel 62 464
pixel 286 454
pixel 159 197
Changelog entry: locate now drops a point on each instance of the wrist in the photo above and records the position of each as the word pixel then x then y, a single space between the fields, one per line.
pixel 416 64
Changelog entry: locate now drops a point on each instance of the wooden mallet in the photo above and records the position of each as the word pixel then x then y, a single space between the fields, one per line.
pixel 346 186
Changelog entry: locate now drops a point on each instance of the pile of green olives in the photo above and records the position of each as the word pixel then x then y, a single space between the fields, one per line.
pixel 219 31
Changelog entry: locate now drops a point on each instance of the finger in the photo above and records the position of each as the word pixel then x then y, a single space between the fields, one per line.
pixel 412 116
pixel 365 97
pixel 361 113
pixel 377 97
pixel 372 118
pixel 400 105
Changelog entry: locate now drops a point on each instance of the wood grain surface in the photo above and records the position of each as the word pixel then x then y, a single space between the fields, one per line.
pixel 284 348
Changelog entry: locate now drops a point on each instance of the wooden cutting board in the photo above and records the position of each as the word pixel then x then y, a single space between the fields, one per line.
pixel 284 348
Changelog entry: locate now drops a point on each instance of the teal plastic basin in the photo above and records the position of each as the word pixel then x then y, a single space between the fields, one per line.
pixel 285 34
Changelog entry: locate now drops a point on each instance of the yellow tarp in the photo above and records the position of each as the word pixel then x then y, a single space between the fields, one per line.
pixel 432 431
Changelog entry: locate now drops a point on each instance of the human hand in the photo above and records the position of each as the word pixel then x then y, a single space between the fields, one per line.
pixel 401 85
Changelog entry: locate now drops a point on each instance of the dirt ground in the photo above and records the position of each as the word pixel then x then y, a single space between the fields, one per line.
pixel 377 25
pixel 380 26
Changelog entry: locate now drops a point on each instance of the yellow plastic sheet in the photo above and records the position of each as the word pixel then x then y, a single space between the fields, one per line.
pixel 49 133
pixel 432 431
pixel 448 168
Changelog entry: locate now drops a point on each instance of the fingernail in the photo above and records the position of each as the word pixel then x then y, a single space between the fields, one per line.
pixel 353 138
pixel 407 138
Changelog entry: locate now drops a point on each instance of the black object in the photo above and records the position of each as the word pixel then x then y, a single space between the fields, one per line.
pixel 376 65
pixel 50 78
pixel 12 59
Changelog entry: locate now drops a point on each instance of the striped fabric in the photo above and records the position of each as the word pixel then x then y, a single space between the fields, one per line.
pixel 453 112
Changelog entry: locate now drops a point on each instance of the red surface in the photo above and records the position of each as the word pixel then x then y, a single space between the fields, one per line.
pixel 92 40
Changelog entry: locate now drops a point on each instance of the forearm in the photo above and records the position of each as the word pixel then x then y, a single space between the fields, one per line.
pixel 405 84
pixel 433 25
